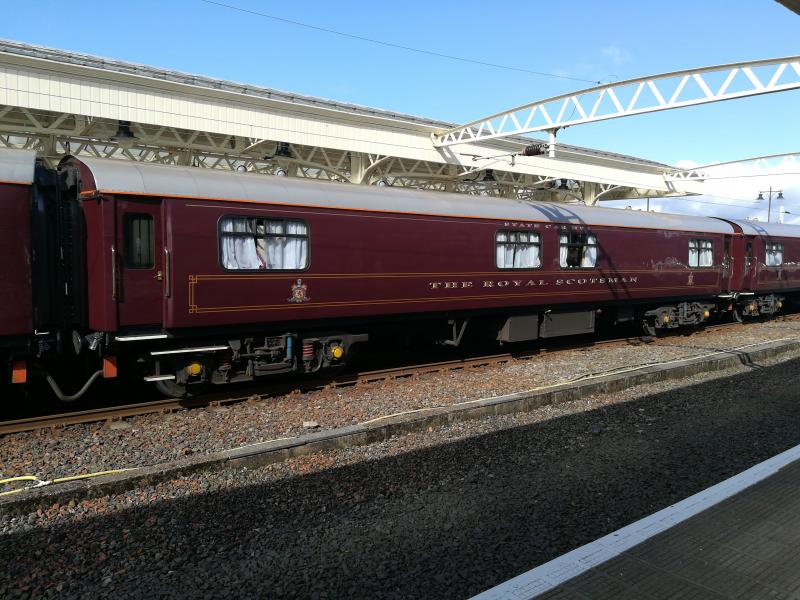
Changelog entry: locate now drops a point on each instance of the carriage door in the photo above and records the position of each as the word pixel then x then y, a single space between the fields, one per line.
pixel 139 292
pixel 749 267
pixel 727 265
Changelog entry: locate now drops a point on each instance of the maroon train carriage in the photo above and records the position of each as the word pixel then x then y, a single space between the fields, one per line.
pixel 16 310
pixel 765 265
pixel 186 276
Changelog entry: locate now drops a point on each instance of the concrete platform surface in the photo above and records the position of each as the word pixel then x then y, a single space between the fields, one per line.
pixel 738 539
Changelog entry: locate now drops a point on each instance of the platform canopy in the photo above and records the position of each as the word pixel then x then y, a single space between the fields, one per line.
pixel 793 5
pixel 59 103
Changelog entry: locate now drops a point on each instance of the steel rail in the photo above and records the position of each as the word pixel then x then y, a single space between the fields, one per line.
pixel 116 413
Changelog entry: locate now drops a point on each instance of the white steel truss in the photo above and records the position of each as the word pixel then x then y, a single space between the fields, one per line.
pixel 771 164
pixel 632 97
pixel 54 136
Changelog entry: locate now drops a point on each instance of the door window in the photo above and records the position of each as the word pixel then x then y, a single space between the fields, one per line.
pixel 138 242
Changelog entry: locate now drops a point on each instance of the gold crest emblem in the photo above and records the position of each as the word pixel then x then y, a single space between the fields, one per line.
pixel 299 292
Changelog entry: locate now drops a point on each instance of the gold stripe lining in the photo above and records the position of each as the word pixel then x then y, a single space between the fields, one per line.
pixel 418 300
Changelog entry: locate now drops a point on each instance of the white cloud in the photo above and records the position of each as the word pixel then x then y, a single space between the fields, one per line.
pixel 686 164
pixel 731 190
pixel 615 54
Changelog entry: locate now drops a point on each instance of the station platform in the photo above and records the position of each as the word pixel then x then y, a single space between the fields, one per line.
pixel 738 539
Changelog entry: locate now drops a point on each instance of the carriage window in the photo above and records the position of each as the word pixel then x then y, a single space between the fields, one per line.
pixel 256 244
pixel 517 250
pixel 774 255
pixel 137 232
pixel 701 253
pixel 577 250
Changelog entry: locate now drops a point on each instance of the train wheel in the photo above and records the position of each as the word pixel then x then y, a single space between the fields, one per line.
pixel 173 389
pixel 737 315
pixel 648 328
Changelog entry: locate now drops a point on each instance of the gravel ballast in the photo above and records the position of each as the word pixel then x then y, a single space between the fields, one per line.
pixel 441 514
pixel 155 439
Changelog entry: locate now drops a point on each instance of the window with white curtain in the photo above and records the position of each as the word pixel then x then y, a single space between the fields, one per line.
pixel 774 255
pixel 517 250
pixel 577 250
pixel 701 253
pixel 256 244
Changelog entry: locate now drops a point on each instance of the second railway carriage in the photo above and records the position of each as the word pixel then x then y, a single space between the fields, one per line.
pixel 207 276
pixel 765 261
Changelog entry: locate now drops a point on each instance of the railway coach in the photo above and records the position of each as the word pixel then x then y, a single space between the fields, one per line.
pixel 188 277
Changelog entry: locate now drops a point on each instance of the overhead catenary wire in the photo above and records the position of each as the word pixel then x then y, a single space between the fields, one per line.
pixel 397 46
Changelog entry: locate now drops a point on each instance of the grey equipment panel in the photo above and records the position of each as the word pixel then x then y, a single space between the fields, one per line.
pixel 520 329
pixel 567 323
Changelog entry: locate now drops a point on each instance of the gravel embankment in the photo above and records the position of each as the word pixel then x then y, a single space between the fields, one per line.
pixel 153 439
pixel 441 514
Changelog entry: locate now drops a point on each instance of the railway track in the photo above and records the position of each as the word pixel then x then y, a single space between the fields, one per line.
pixel 116 413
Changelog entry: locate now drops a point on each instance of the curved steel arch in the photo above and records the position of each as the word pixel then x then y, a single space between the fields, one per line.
pixel 766 162
pixel 631 97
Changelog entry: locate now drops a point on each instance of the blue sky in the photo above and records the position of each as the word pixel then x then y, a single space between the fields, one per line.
pixel 585 39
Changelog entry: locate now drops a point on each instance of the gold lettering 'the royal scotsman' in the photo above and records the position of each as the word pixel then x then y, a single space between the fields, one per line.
pixel 523 283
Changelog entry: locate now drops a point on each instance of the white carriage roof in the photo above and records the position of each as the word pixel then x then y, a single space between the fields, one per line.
pixel 767 229
pixel 17 166
pixel 116 176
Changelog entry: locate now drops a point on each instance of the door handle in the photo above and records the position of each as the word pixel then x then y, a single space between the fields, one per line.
pixel 114 273
pixel 159 275
pixel 167 270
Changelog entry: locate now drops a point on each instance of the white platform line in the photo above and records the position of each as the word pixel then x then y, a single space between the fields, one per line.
pixel 552 574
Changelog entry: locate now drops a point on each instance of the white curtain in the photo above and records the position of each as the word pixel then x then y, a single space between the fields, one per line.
pixel 589 254
pixel 774 255
pixel 275 245
pixel 504 253
pixel 267 246
pixel 287 252
pixel 527 255
pixel 701 253
pixel 563 249
pixel 517 250
pixel 239 252
pixel 295 255
pixel 706 254
pixel 694 254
